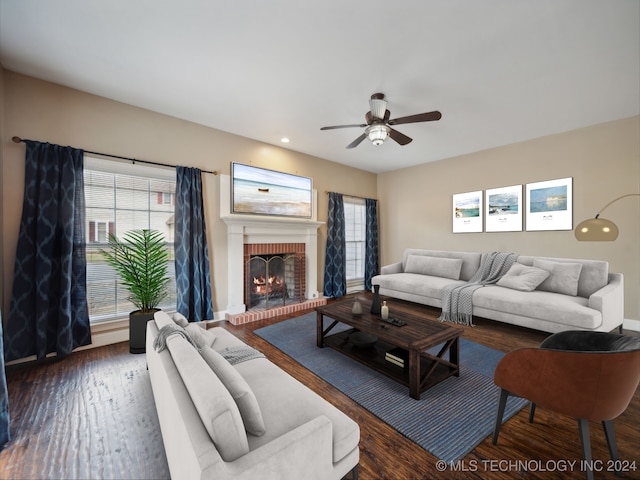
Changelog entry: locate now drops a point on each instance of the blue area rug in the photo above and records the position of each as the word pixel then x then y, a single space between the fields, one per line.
pixel 449 420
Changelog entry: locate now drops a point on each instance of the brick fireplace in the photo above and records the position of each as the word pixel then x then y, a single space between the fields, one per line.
pixel 252 235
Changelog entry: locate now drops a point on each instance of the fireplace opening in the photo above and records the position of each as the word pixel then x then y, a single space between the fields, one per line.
pixel 274 280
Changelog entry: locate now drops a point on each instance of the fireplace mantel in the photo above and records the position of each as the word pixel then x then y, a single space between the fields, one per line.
pixel 243 229
pixel 264 224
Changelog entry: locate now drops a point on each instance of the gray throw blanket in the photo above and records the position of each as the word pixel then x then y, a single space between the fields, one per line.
pixel 456 299
pixel 160 342
pixel 239 354
pixel 233 355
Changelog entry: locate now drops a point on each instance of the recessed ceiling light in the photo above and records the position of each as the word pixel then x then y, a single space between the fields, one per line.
pixel 284 140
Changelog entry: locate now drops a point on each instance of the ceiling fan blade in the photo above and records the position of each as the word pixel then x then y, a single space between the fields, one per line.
pixel 357 141
pixel 344 126
pixel 401 138
pixel 420 117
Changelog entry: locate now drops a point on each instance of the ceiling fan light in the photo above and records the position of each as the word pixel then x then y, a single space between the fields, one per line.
pixel 377 134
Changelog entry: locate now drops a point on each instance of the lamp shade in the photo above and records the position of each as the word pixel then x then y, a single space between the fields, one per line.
pixel 378 107
pixel 600 229
pixel 596 230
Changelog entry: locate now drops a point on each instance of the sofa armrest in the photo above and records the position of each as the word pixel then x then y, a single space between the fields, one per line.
pixel 393 268
pixel 609 301
pixel 304 452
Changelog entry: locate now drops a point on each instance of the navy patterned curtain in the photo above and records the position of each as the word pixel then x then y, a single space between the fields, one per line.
pixel 371 248
pixel 335 274
pixel 193 281
pixel 4 398
pixel 48 311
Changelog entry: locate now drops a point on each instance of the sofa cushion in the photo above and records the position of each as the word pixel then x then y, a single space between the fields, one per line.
pixel 521 277
pixel 217 409
pixel 180 319
pixel 239 389
pixel 414 284
pixel 201 337
pixel 224 339
pixel 570 311
pixel 435 266
pixel 162 319
pixel 470 260
pixel 563 276
pixel 593 276
pixel 287 404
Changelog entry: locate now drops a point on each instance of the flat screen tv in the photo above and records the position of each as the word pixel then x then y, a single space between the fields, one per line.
pixel 260 191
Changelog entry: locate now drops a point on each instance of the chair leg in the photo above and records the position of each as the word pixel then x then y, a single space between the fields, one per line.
pixel 504 394
pixel 532 411
pixel 354 472
pixel 585 441
pixel 610 435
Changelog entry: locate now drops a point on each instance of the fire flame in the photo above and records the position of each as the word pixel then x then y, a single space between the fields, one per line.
pixel 260 283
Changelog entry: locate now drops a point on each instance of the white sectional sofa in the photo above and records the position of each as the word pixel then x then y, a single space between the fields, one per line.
pixel 249 420
pixel 591 299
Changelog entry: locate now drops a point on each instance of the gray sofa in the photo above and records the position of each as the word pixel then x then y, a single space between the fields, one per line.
pixel 577 294
pixel 206 416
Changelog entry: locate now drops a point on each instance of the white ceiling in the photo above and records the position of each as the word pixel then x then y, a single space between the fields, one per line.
pixel 500 71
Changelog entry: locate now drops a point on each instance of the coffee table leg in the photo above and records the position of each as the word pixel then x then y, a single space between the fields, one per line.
pixel 414 374
pixel 454 355
pixel 319 335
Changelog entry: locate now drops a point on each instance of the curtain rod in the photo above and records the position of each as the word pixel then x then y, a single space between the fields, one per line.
pixel 215 172
pixel 352 196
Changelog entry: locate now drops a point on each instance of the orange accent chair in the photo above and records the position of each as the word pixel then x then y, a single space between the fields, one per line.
pixel 586 375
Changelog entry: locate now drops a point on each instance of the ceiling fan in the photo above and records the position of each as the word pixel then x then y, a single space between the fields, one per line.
pixel 378 123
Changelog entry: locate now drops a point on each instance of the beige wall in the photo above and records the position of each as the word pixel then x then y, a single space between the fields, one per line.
pixel 43 111
pixel 604 161
pixel 415 203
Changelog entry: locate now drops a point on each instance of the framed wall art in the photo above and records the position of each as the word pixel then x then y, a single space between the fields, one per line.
pixel 503 209
pixel 260 191
pixel 467 212
pixel 550 205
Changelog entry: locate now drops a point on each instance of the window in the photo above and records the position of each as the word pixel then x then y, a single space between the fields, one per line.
pixel 120 197
pixel 165 198
pixel 98 231
pixel 355 237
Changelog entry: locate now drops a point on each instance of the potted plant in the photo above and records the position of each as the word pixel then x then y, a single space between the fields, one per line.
pixel 142 262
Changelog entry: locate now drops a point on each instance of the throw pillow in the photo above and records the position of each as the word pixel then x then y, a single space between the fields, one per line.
pixel 180 319
pixel 217 409
pixel 200 336
pixel 563 276
pixel 239 389
pixel 521 277
pixel 434 266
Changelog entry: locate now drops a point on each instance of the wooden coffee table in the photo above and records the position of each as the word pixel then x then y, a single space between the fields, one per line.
pixel 422 369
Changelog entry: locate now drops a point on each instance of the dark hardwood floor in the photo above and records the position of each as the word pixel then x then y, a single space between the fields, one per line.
pixel 92 416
